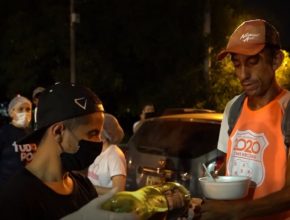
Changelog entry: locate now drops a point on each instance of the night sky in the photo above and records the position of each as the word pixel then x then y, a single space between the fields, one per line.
pixel 276 12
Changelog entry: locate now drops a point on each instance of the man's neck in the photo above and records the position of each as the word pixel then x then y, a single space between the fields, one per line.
pixel 257 102
pixel 46 165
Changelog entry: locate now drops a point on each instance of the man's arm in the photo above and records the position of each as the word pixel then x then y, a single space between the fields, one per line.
pixel 274 203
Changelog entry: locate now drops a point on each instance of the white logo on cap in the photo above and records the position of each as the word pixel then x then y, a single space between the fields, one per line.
pixel 81 102
pixel 248 36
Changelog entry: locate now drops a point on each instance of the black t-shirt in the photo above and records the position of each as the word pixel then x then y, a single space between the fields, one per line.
pixel 27 197
pixel 13 156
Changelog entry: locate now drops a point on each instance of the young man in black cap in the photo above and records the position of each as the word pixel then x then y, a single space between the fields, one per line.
pixel 70 119
pixel 256 146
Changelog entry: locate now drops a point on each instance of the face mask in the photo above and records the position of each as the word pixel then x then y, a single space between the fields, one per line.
pixel 22 120
pixel 83 158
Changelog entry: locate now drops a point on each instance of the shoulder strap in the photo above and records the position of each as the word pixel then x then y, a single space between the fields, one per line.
pixel 286 125
pixel 235 111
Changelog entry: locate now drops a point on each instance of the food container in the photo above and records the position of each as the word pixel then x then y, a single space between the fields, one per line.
pixel 225 187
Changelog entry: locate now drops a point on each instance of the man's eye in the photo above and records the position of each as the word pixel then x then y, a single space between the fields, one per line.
pixel 236 64
pixel 253 60
pixel 93 134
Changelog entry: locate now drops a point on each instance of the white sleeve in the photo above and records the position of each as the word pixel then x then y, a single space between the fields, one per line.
pixel 223 135
pixel 117 165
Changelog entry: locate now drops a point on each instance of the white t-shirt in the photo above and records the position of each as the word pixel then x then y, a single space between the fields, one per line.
pixel 109 163
pixel 223 135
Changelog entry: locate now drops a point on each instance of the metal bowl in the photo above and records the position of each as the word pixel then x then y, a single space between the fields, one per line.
pixel 225 187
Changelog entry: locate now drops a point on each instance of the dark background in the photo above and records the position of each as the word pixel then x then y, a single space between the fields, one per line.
pixel 129 52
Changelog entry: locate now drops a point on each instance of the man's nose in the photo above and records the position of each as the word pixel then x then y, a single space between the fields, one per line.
pixel 243 73
pixel 97 138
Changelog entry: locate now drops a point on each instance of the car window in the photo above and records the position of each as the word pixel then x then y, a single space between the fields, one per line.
pixel 182 138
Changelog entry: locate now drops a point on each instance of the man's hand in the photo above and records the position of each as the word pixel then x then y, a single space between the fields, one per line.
pixel 93 211
pixel 212 210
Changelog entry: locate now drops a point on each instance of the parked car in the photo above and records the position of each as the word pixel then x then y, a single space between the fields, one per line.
pixel 172 147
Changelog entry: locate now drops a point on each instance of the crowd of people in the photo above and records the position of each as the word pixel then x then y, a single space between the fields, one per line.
pixel 60 159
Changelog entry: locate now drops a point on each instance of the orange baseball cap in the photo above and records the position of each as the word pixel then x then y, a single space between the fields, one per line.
pixel 251 37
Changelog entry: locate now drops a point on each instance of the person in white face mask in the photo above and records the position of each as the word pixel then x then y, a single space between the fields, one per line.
pixel 14 157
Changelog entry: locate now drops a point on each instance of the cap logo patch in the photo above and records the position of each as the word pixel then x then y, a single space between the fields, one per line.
pixel 81 102
pixel 248 36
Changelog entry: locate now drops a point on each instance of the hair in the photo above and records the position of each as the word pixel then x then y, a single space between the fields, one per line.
pixel 73 123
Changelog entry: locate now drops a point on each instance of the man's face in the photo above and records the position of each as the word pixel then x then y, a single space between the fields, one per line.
pixel 22 108
pixel 256 73
pixel 89 131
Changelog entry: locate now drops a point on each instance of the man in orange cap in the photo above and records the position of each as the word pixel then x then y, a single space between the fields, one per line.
pixel 255 146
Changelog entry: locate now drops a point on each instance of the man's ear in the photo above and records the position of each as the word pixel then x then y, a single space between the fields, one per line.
pixel 278 59
pixel 57 130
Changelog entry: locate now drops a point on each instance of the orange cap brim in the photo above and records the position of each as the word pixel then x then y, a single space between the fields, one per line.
pixel 253 50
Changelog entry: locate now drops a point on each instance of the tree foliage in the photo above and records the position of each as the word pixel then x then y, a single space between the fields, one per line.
pixel 140 50
pixel 283 73
pixel 225 84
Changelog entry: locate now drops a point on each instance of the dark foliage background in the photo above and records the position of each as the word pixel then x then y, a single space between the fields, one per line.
pixel 129 52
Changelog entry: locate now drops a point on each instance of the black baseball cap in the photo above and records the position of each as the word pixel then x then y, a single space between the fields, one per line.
pixel 60 102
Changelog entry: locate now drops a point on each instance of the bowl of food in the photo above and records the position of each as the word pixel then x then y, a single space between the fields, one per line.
pixel 225 187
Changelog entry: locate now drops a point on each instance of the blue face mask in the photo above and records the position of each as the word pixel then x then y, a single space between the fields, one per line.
pixel 83 158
